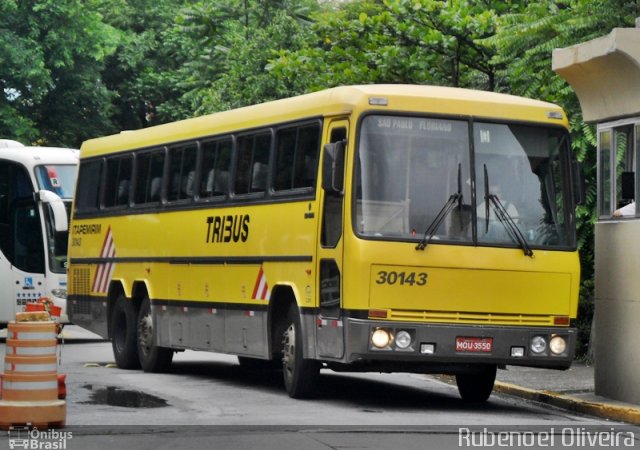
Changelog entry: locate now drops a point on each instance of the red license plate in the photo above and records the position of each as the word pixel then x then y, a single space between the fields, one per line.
pixel 474 344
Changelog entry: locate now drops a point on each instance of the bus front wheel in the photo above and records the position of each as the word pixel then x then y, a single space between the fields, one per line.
pixel 299 374
pixel 152 357
pixel 476 387
pixel 123 334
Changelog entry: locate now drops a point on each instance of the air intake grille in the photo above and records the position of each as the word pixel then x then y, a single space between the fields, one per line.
pixel 79 282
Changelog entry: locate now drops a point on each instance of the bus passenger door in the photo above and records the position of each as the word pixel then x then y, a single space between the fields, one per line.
pixel 329 329
pixel 27 253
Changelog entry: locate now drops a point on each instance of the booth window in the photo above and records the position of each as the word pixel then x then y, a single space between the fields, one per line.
pixel 618 146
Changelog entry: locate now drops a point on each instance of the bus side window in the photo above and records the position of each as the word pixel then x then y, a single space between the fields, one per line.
pixel 306 166
pixel 260 169
pixel 285 157
pixel 88 191
pixel 20 232
pixel 182 167
pixel 297 157
pixel 216 159
pixel 15 189
pixel 4 206
pixel 28 254
pixel 252 163
pixel 223 167
pixel 14 185
pixel 149 169
pixel 118 181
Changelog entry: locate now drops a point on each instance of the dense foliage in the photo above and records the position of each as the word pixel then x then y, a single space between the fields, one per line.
pixel 73 69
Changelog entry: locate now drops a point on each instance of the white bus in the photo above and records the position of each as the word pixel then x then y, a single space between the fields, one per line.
pixel 36 186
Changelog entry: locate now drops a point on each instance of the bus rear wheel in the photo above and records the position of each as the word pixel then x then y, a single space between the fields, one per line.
pixel 152 358
pixel 476 387
pixel 300 375
pixel 124 334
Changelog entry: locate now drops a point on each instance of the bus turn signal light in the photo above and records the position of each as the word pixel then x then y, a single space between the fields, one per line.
pixel 377 313
pixel 561 321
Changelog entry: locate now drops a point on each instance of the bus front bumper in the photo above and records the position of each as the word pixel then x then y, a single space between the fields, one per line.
pixel 368 341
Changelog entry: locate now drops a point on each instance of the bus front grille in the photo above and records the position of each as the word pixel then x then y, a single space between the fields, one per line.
pixel 471 318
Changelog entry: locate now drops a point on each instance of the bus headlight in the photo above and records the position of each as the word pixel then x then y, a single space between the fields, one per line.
pixel 381 338
pixel 558 345
pixel 60 293
pixel 538 344
pixel 403 339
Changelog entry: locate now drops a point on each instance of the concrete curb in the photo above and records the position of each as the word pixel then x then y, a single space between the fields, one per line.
pixel 599 409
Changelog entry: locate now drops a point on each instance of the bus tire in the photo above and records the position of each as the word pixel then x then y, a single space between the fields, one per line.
pixel 476 387
pixel 299 374
pixel 124 334
pixel 152 358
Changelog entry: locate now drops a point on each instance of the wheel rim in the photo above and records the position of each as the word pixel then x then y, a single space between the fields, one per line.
pixel 120 332
pixel 289 352
pixel 145 333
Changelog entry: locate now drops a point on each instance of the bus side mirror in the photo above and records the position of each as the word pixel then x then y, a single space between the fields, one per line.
pixel 57 206
pixel 333 167
pixel 577 177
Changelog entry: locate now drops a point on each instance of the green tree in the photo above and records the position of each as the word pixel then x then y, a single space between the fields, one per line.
pixel 51 56
pixel 450 33
pixel 396 41
pixel 224 47
pixel 142 71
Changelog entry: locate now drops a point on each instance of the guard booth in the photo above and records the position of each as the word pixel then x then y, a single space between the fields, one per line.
pixel 605 74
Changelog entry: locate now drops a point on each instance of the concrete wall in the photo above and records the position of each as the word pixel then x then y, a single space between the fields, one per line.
pixel 617 321
pixel 604 73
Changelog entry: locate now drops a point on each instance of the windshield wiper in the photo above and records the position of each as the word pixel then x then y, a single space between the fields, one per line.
pixel 503 216
pixel 444 212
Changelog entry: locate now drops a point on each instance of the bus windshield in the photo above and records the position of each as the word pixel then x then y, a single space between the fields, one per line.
pixel 409 169
pixel 58 178
pixel 57 241
pixel 61 179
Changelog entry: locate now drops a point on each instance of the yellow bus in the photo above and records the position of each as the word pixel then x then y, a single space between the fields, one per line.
pixel 361 228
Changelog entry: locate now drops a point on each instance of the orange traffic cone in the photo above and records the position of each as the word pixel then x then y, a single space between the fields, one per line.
pixel 30 381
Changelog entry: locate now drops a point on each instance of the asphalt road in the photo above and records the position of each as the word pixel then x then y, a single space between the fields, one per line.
pixel 209 401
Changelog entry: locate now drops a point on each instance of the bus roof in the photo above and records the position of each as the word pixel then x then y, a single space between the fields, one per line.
pixel 336 101
pixel 4 143
pixel 35 156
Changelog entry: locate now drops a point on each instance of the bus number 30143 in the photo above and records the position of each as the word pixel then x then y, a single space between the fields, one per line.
pixel 402 278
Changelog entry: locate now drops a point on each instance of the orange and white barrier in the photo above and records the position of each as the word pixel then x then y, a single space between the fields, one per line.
pixel 30 381
pixel 30 387
pixel 30 364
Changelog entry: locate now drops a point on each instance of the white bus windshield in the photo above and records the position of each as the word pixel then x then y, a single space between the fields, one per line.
pixel 61 179
pixel 58 178
pixel 409 168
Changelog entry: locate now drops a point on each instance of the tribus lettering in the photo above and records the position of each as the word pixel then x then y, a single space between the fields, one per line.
pixel 228 228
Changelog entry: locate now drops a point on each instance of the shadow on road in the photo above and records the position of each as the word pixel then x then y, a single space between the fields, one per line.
pixel 354 390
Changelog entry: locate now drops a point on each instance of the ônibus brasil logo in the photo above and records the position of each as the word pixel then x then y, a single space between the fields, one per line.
pixel 24 437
